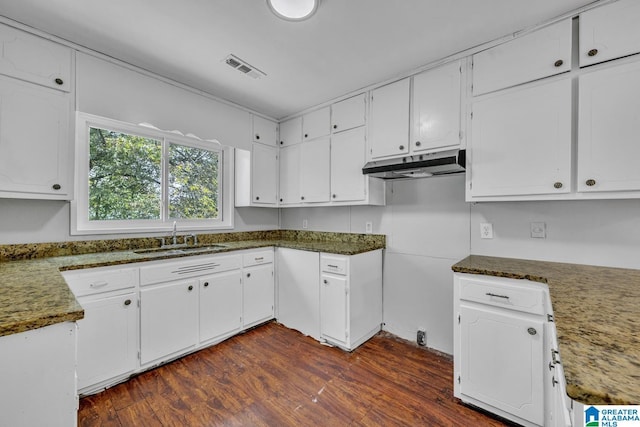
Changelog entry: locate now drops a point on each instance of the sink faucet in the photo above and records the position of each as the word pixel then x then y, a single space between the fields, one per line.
pixel 175 226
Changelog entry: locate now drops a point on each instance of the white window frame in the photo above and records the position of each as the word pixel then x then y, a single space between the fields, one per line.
pixel 80 223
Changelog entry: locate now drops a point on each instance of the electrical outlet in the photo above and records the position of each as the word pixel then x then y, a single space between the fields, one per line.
pixel 421 337
pixel 305 224
pixel 486 230
pixel 368 227
pixel 538 230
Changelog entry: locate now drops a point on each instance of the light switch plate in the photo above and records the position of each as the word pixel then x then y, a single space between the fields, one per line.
pixel 368 227
pixel 305 224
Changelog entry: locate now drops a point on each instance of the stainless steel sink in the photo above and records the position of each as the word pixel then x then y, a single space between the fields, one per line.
pixel 180 250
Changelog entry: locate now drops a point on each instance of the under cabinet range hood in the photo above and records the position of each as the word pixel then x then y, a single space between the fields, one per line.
pixel 418 165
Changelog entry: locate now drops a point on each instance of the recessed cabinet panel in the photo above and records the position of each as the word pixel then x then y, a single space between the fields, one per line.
pixel 291 132
pixel 34 139
pixel 521 142
pixel 389 124
pixel 609 32
pixel 259 294
pixel 348 114
pixel 608 129
pixel 502 361
pixel 316 124
pixel 264 131
pixel 290 175
pixel 315 171
pixel 34 59
pixel 220 305
pixel 539 54
pixel 333 307
pixel 264 177
pixel 347 158
pixel 436 108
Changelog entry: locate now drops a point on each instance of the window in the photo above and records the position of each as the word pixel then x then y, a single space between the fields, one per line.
pixel 135 178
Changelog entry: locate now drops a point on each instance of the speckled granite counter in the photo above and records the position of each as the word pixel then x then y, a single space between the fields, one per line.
pixel 33 293
pixel 597 316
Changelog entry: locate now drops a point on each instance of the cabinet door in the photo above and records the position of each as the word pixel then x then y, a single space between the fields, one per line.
pixel 264 176
pixel 34 59
pixel 609 32
pixel 348 114
pixel 290 175
pixel 540 54
pixel 334 308
pixel 258 295
pixel 220 305
pixel 291 132
pixel 34 139
pixel 347 158
pixel 608 129
pixel 107 339
pixel 264 131
pixel 501 361
pixel 436 108
pixel 315 124
pixel 168 319
pixel 389 124
pixel 315 170
pixel 299 290
pixel 521 142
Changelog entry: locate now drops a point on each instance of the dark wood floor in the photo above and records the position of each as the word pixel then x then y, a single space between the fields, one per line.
pixel 273 376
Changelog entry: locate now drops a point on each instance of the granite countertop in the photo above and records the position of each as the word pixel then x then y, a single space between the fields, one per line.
pixel 597 316
pixel 33 293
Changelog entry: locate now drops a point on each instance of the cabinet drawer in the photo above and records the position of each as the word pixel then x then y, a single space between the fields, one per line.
pixel 256 258
pixel 98 280
pixel 34 59
pixel 334 264
pixel 512 296
pixel 193 267
pixel 543 53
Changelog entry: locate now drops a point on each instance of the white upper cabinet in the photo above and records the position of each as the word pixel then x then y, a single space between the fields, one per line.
pixel 389 120
pixel 265 131
pixel 540 54
pixel 436 108
pixel 609 32
pixel 34 59
pixel 291 132
pixel 348 114
pixel 347 158
pixel 316 124
pixel 34 141
pixel 315 170
pixel 608 129
pixel 290 175
pixel 521 142
pixel 264 176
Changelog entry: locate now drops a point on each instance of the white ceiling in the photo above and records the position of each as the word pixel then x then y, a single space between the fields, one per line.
pixel 347 45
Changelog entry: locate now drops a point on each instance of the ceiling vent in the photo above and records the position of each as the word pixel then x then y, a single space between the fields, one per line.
pixel 244 67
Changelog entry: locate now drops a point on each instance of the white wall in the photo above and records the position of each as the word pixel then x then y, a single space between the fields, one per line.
pixel 427 226
pixel 110 90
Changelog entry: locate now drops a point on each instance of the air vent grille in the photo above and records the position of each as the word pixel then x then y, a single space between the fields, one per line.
pixel 243 66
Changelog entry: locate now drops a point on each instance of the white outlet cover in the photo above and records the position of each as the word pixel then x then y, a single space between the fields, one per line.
pixel 538 230
pixel 486 230
pixel 368 227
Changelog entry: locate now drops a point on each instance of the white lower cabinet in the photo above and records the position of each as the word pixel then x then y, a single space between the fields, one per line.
pixel 168 320
pixel 220 310
pixel 506 358
pixel 258 295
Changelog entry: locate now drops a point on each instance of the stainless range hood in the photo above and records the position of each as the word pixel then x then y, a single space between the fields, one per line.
pixel 418 166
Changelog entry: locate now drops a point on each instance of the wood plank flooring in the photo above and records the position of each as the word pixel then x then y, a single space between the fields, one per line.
pixel 274 376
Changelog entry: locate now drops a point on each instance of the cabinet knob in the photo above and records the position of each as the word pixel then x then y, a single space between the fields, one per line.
pixel 257 197
pixel 401 147
pixel 280 199
pixel 301 197
pixel 306 135
pixel 257 136
pixel 325 281
pixel 59 81
pixel 127 302
pixel 557 185
pixel 592 52
pixel 190 288
pixel 335 126
pixel 558 63
pixel 418 143
pixel 281 142
pixel 248 274
pixel 56 186
pixel 590 182
pixel 206 284
pixel 532 331
pixel 334 196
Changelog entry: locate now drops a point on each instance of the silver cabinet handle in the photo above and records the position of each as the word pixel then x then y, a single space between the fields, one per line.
pixel 497 295
pixel 99 284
